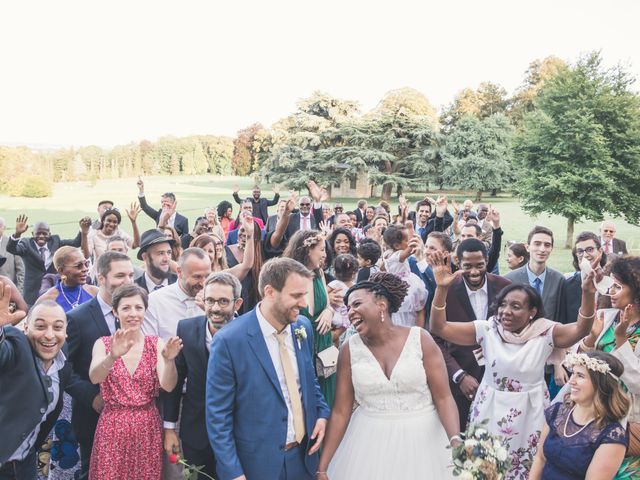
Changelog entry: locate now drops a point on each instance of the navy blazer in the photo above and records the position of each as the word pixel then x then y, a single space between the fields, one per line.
pixel 181 223
pixel 245 408
pixel 23 393
pixel 191 364
pixel 33 264
pixel 86 324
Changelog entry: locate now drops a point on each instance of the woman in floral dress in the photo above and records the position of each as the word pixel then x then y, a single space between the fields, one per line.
pixel 516 344
pixel 130 368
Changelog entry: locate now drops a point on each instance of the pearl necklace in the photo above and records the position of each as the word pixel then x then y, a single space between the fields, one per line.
pixel 66 299
pixel 566 422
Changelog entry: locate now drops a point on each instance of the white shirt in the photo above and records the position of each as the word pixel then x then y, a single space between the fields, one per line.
pixel 107 313
pixel 47 254
pixel 269 333
pixel 151 284
pixel 479 300
pixel 167 307
pixel 53 373
pixel 172 220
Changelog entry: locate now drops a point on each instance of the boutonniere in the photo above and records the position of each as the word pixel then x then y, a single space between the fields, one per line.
pixel 301 334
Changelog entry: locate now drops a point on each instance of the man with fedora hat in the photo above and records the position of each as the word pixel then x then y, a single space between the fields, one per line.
pixel 155 252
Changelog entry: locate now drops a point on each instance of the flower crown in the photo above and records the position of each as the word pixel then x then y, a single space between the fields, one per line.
pixel 594 364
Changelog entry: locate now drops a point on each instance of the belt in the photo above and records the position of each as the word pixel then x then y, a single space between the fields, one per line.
pixel 291 445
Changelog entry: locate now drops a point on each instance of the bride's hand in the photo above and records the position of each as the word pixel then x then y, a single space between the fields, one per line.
pixel 324 321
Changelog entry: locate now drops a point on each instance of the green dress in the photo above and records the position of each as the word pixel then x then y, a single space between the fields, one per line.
pixel 327 385
pixel 630 468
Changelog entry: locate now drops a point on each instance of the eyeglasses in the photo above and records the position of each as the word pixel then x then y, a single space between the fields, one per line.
pixel 79 265
pixel 580 252
pixel 305 204
pixel 223 302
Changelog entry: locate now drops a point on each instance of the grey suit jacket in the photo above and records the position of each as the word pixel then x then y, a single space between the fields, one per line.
pixel 551 290
pixel 13 267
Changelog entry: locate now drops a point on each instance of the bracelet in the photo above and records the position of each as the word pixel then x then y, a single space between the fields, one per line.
pixel 321 473
pixel 455 437
pixel 580 314
pixel 439 308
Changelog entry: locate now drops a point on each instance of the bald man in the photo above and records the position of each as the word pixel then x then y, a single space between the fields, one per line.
pixel 610 244
pixel 37 251
pixel 35 371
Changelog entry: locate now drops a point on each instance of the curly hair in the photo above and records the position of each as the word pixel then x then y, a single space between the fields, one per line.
pixel 345 267
pixel 222 208
pixel 383 285
pixel 627 271
pixel 394 235
pixel 346 233
pixel 300 244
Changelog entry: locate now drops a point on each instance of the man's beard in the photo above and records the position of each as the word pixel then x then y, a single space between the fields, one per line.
pixel 219 324
pixel 156 272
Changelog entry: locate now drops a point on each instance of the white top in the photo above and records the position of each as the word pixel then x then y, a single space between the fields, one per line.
pixel 152 285
pixel 479 300
pixel 167 307
pixel 269 333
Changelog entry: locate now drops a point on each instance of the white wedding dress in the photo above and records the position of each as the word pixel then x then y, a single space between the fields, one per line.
pixel 395 432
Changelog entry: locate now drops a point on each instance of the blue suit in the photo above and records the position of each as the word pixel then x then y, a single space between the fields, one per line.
pixel 245 408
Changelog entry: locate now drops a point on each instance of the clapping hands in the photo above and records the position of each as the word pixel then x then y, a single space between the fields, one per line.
pixel 172 348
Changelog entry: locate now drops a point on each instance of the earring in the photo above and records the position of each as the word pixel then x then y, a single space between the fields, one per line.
pixel 531 317
pixel 381 316
pixel 63 278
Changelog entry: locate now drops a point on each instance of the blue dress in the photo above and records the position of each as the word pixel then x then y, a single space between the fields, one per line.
pixel 70 297
pixel 568 458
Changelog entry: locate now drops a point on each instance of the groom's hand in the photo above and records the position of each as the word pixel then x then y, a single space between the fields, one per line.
pixel 318 435
pixel 241 477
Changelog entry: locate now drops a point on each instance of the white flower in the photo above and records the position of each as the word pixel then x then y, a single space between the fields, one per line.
pixel 470 443
pixel 501 454
pixel 479 432
pixel 468 464
pixel 301 333
pixel 477 462
pixel 465 475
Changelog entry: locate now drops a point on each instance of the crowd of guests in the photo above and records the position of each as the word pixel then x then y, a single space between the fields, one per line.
pixel 314 342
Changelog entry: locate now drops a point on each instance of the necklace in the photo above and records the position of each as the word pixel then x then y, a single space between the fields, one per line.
pixel 66 299
pixel 566 422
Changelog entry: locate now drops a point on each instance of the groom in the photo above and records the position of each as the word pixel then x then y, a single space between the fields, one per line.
pixel 266 416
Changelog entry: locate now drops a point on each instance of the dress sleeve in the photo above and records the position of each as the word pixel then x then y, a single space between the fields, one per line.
pixel 550 414
pixel 482 327
pixel 614 433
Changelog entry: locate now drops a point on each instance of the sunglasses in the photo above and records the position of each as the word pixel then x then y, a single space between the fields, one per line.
pixel 79 265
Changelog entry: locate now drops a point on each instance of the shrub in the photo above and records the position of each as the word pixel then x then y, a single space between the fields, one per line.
pixel 31 186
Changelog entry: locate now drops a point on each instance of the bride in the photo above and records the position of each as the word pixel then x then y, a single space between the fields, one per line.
pixel 405 415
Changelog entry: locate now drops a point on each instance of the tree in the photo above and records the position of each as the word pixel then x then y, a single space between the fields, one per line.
pixel 538 73
pixel 489 99
pixel 580 147
pixel 478 154
pixel 244 153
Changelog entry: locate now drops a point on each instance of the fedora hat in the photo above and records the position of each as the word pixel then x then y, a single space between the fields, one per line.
pixel 152 237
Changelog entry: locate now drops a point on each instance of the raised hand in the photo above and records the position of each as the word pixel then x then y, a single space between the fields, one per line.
pixel 588 285
pixel 140 184
pixel 441 265
pixel 236 188
pixel 172 348
pixel 276 189
pixel 402 200
pixel 133 211
pixel 292 203
pixel 622 329
pixel 441 206
pixel 7 317
pixel 456 207
pixel 494 217
pixel 122 341
pixel 21 225
pixel 85 225
pixel 319 194
pixel 325 229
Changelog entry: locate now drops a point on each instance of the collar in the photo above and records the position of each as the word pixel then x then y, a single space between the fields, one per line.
pixel 532 276
pixel 481 289
pixel 104 306
pixel 266 328
pixel 57 365
pixel 182 296
pixel 149 281
pixel 45 246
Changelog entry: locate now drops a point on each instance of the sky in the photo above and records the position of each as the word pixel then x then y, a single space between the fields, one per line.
pixel 112 72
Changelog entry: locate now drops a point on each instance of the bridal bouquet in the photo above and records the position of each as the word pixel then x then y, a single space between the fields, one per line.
pixel 481 456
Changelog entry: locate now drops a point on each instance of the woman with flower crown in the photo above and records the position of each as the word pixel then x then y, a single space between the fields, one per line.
pixel 516 343
pixel 583 437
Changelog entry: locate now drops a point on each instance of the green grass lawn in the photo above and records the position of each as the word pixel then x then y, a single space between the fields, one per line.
pixel 71 201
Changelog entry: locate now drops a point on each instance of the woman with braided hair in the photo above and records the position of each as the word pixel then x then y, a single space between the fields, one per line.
pixel 405 416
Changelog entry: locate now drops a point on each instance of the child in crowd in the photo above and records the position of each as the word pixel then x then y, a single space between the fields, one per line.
pixel 369 252
pixel 401 244
pixel 345 267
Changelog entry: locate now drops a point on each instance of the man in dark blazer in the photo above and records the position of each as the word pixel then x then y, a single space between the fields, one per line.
pixel 37 251
pixel 167 214
pixel 360 211
pixel 13 266
pixel 222 300
pixel 259 204
pixel 470 297
pixel 545 280
pixel 306 218
pixel 87 323
pixel 33 375
pixel 155 252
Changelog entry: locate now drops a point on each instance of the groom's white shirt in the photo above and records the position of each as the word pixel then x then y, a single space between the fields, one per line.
pixel 269 333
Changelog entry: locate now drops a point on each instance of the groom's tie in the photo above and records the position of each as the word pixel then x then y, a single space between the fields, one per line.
pixel 292 386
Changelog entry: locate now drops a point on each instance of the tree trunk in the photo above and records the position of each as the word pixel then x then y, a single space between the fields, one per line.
pixel 478 195
pixel 494 192
pixel 570 223
pixel 386 191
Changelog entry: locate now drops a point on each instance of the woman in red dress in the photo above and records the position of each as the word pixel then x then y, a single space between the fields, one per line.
pixel 130 368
